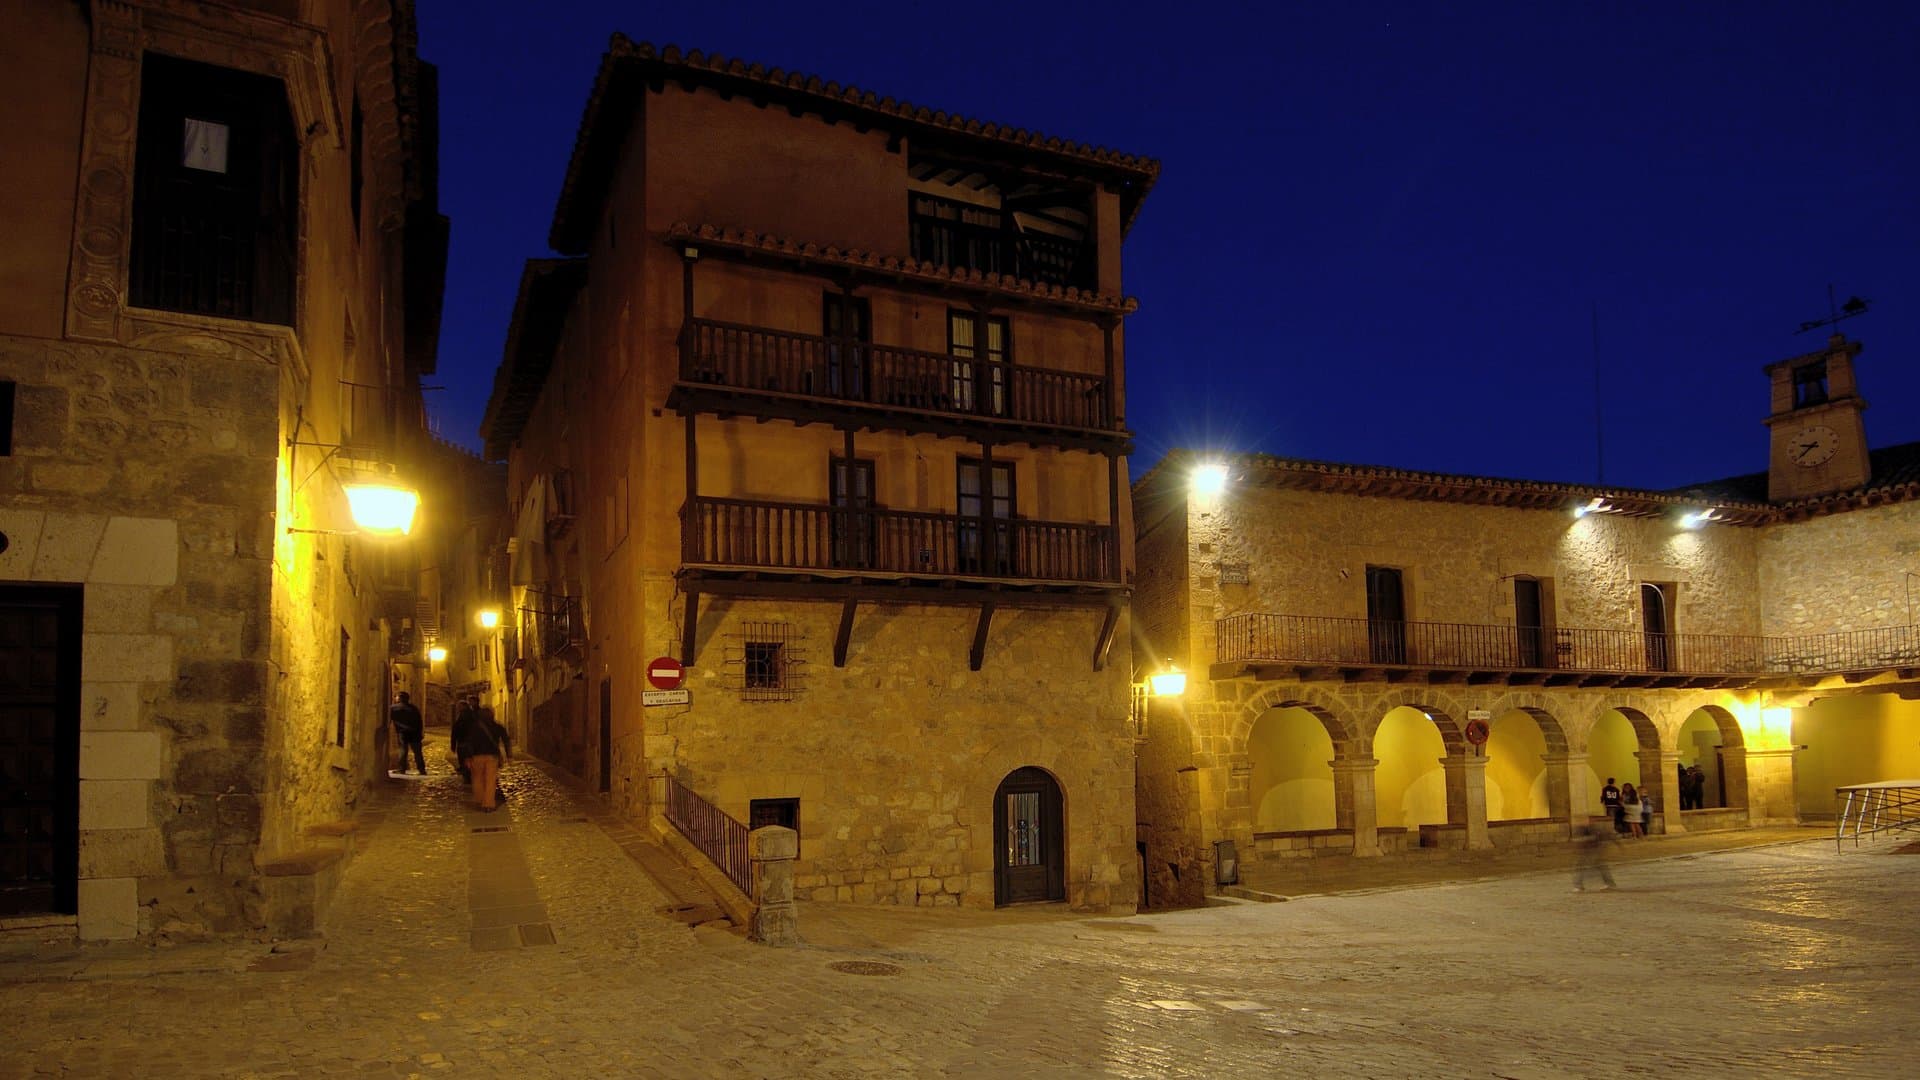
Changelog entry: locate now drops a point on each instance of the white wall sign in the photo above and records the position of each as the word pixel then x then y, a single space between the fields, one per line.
pixel 666 697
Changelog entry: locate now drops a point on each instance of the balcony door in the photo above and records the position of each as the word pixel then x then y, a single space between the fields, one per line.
pixel 847 324
pixel 1529 623
pixel 851 496
pixel 979 345
pixel 994 501
pixel 1656 623
pixel 1386 616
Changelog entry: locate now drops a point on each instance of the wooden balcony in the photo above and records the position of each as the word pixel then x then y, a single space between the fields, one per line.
pixel 966 236
pixel 831 544
pixel 1306 647
pixel 730 368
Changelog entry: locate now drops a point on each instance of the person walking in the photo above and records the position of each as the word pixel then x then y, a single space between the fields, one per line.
pixel 410 727
pixel 464 717
pixel 486 748
pixel 1595 843
pixel 1630 810
pixel 1610 802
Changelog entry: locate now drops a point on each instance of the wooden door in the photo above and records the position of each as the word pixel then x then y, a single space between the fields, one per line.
pixel 996 502
pixel 1529 624
pixel 1656 619
pixel 39 750
pixel 1386 616
pixel 850 493
pixel 1029 855
pixel 606 735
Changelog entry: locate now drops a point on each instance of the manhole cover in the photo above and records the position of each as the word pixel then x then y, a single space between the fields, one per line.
pixel 489 828
pixel 864 967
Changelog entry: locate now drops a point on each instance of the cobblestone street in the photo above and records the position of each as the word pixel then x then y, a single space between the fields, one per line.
pixel 1787 959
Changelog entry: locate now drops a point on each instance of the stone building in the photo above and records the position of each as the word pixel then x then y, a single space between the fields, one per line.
pixel 1386 659
pixel 826 403
pixel 219 285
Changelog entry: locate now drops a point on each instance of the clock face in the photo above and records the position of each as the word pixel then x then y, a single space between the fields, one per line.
pixel 1812 446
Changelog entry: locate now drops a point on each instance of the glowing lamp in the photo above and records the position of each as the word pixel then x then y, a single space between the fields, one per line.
pixel 1208 480
pixel 489 618
pixel 1596 505
pixel 1169 683
pixel 1695 520
pixel 382 509
pixel 436 653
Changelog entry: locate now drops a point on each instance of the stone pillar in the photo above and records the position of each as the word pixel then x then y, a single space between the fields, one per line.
pixel 1568 798
pixel 773 849
pixel 1467 796
pixel 1658 778
pixel 1767 778
pixel 1353 802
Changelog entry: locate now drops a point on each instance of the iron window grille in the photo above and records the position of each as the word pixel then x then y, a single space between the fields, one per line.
pixel 766 662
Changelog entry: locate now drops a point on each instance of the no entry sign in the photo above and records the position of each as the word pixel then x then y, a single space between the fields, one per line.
pixel 666 673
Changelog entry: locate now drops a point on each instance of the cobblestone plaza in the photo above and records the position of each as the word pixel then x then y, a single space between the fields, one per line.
pixel 456 947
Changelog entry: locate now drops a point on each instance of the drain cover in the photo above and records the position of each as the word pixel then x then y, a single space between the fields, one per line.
pixel 489 828
pixel 864 967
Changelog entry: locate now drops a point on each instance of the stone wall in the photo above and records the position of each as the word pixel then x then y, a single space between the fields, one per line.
pixel 1841 572
pixel 895 758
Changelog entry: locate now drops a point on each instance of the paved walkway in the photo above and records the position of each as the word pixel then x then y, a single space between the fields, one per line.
pixel 543 951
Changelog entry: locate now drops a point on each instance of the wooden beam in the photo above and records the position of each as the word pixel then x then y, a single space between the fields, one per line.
pixel 1104 641
pixel 690 627
pixel 978 654
pixel 843 635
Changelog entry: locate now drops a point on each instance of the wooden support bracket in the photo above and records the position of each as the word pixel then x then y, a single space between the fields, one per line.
pixel 689 627
pixel 845 633
pixel 1104 643
pixel 978 653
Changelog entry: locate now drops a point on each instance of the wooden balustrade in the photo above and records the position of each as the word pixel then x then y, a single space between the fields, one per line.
pixel 810 365
pixel 794 536
pixel 1315 639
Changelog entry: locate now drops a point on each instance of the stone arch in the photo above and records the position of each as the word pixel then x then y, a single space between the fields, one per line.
pixel 1540 709
pixel 1291 784
pixel 1646 733
pixel 1727 775
pixel 1320 706
pixel 1441 709
pixel 1731 736
pixel 1076 795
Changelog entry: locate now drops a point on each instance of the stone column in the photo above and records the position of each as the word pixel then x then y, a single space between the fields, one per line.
pixel 1767 777
pixel 773 849
pixel 1353 802
pixel 1657 776
pixel 1467 796
pixel 1567 793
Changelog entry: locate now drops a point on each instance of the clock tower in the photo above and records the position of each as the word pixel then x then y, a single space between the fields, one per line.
pixel 1819 442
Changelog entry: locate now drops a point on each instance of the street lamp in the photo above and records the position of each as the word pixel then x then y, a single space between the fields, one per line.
pixel 489 618
pixel 382 509
pixel 1168 682
pixel 436 653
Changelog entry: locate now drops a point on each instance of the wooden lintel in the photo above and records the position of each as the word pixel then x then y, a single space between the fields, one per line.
pixel 1441 677
pixel 1481 678
pixel 844 634
pixel 690 624
pixel 1104 641
pixel 978 654
pixel 1560 680
pixel 1527 678
pixel 1312 673
pixel 1598 678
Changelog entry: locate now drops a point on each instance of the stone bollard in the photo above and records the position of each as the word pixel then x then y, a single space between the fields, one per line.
pixel 773 849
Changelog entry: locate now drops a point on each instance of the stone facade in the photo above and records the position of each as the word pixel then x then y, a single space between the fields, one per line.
pixel 233 671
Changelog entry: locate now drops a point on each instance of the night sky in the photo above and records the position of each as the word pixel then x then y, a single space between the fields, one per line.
pixel 1381 231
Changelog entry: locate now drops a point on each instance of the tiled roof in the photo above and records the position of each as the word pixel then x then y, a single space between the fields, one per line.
pixel 547 287
pixel 1893 475
pixel 628 65
pixel 747 241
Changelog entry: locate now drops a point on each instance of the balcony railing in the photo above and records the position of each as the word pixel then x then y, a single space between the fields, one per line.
pixel 1373 642
pixel 764 535
pixel 719 837
pixel 756 358
pixel 965 236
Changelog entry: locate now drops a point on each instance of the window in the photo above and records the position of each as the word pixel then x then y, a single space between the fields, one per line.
pixel 847 323
pixel 995 502
pixel 1656 620
pixel 1810 384
pixel 340 692
pixel 215 201
pixel 782 812
pixel 979 345
pixel 766 668
pixel 850 493
pixel 6 419
pixel 1386 615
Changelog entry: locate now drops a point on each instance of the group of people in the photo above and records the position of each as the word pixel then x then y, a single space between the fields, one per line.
pixel 1631 811
pixel 1693 788
pixel 479 742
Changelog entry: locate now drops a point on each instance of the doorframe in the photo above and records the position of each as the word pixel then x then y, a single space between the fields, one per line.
pixel 1053 811
pixel 70 604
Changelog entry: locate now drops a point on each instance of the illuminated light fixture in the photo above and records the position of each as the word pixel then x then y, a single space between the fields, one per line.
pixel 382 509
pixel 1209 479
pixel 1596 505
pixel 1169 682
pixel 1699 518
pixel 489 618
pixel 436 653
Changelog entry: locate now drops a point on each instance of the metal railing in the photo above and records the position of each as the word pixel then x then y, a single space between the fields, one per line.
pixel 1348 641
pixel 844 369
pixel 798 536
pixel 719 837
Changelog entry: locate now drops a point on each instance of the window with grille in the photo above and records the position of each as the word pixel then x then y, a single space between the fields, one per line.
pixel 766 662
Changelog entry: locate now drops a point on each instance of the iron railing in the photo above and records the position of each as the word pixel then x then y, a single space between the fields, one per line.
pixel 844 369
pixel 719 837
pixel 1348 641
pixel 800 536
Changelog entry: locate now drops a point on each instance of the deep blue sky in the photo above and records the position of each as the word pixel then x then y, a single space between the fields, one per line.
pixel 1381 229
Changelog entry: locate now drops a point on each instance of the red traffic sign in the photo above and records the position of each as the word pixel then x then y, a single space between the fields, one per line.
pixel 666 673
pixel 1477 732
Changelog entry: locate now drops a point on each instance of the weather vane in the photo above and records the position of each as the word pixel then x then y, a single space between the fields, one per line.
pixel 1853 306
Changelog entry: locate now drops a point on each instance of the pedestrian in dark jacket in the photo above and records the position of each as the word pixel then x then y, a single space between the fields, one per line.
pixel 463 719
pixel 411 728
pixel 486 748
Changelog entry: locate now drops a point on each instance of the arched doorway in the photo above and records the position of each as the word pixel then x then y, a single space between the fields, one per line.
pixel 1409 784
pixel 1518 787
pixel 1710 740
pixel 1029 850
pixel 1290 786
pixel 1613 751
